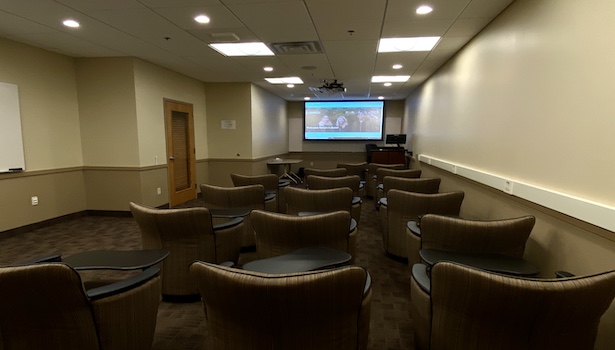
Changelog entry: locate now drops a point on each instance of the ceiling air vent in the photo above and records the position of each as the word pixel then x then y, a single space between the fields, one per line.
pixel 296 48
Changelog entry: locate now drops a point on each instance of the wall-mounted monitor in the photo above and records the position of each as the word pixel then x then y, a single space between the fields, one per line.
pixel 395 139
pixel 343 120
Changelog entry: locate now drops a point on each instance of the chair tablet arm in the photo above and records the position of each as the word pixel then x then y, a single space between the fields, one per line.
pixel 57 257
pixel 383 201
pixel 563 274
pixel 124 285
pixel 419 274
pixel 228 224
pixel 227 264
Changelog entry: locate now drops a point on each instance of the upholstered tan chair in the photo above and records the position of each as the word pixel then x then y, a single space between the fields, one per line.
pixel 304 200
pixel 335 172
pixel 325 310
pixel 505 236
pixel 244 197
pixel 189 234
pixel 370 185
pixel 45 306
pixel 459 307
pixel 381 173
pixel 315 182
pixel 359 169
pixel 269 181
pixel 401 207
pixel 419 185
pixel 278 234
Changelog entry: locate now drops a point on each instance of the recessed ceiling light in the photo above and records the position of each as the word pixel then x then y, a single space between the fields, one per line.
pixel 202 19
pixel 290 85
pixel 71 23
pixel 397 66
pixel 426 43
pixel 285 80
pixel 242 49
pixel 387 84
pixel 390 78
pixel 306 98
pixel 423 10
pixel 268 69
pixel 381 97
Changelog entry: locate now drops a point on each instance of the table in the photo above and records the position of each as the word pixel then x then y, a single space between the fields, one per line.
pixel 413 226
pixel 286 165
pixel 491 262
pixel 116 259
pixel 301 260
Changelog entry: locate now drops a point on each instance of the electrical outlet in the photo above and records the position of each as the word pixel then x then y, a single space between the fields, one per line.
pixel 34 200
pixel 159 191
pixel 508 187
pixel 311 163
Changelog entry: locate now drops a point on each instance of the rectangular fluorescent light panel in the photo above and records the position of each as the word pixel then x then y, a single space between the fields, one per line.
pixel 390 78
pixel 242 49
pixel 426 43
pixel 286 80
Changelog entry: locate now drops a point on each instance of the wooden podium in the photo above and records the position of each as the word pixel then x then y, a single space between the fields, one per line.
pixel 388 155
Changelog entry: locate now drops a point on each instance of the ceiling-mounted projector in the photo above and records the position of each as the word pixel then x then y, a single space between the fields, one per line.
pixel 329 87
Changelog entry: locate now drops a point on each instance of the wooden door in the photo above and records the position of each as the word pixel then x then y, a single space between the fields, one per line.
pixel 181 156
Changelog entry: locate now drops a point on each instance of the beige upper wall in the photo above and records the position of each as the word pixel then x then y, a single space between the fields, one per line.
pixel 269 124
pixel 229 101
pixel 107 111
pixel 47 102
pixel 529 99
pixel 393 113
pixel 153 84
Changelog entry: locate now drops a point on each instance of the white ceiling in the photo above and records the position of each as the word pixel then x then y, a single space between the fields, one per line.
pixel 164 32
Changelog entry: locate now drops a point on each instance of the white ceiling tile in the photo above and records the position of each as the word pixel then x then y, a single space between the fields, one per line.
pixel 277 22
pixel 405 29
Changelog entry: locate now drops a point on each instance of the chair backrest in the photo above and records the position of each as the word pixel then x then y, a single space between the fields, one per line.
pixel 405 206
pixel 300 200
pixel 44 306
pixel 372 167
pixel 358 169
pixel 419 185
pixel 335 172
pixel 474 309
pixel 248 197
pixel 278 234
pixel 407 173
pixel 186 233
pixel 269 181
pixel 251 310
pixel 315 182
pixel 506 236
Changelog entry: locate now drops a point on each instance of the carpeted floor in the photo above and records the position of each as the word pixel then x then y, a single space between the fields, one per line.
pixel 181 326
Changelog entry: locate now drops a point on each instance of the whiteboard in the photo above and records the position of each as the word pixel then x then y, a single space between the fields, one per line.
pixel 11 143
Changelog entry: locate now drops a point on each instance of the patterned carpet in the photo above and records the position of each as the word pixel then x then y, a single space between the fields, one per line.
pixel 181 326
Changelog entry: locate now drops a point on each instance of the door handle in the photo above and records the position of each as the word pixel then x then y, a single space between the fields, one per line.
pixel 171 158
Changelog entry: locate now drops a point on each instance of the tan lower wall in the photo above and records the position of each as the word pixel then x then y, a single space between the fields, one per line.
pixel 59 192
pixel 558 242
pixel 112 188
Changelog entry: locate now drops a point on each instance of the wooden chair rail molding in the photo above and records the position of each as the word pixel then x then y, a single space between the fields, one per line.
pixel 592 212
